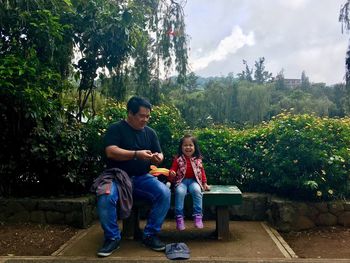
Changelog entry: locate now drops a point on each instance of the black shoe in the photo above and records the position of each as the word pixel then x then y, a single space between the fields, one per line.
pixel 154 243
pixel 108 247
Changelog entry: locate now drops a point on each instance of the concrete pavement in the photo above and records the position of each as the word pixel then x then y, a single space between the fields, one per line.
pixel 250 242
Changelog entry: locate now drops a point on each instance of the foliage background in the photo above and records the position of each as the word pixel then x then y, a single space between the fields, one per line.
pixel 55 106
pixel 297 156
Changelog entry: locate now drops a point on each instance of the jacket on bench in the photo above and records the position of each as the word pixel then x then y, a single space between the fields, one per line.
pixel 103 183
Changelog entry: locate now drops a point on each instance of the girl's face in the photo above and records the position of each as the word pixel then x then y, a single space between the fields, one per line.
pixel 187 147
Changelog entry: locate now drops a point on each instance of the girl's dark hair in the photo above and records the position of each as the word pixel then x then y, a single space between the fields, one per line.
pixel 197 153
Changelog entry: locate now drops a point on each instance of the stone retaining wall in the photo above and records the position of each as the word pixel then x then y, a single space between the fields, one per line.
pixel 284 215
pixel 78 212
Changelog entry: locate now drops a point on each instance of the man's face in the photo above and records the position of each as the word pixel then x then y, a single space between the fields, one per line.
pixel 140 119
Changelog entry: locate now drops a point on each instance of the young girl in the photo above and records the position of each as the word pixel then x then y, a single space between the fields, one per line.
pixel 188 175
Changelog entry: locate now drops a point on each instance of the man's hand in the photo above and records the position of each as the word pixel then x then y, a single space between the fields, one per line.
pixel 144 155
pixel 157 158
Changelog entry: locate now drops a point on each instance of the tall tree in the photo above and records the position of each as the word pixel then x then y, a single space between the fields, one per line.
pixel 261 75
pixel 344 18
pixel 247 73
pixel 35 49
pixel 143 35
pixel 253 103
pixel 102 36
pixel 191 82
pixel 279 83
pixel 305 83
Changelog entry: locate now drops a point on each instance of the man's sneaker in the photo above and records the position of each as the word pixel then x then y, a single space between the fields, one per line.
pixel 154 243
pixel 180 223
pixel 198 223
pixel 108 247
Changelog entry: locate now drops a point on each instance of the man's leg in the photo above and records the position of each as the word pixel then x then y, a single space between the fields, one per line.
pixel 147 187
pixel 107 212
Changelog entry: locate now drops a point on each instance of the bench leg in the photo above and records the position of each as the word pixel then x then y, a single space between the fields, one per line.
pixel 131 225
pixel 222 223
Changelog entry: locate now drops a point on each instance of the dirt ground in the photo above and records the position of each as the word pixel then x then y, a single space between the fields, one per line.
pixel 320 242
pixel 33 239
pixel 43 240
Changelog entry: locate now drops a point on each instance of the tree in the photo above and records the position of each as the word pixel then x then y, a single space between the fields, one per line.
pixel 35 48
pixel 305 83
pixel 37 38
pixel 128 34
pixel 261 75
pixel 344 18
pixel 102 34
pixel 246 74
pixel 253 103
pixel 191 82
pixel 279 83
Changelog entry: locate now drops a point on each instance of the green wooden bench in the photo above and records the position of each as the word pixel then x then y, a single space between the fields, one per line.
pixel 220 196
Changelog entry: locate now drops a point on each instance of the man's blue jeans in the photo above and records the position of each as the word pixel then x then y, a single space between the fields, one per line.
pixel 194 189
pixel 145 187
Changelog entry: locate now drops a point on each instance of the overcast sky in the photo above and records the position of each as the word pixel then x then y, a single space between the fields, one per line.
pixel 293 35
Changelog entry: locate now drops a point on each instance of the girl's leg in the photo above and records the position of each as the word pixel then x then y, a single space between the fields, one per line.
pixel 180 193
pixel 197 196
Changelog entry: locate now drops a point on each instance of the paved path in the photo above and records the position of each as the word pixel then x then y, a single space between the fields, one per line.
pixel 250 242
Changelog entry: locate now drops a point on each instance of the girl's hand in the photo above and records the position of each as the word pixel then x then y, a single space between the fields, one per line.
pixel 206 187
pixel 172 174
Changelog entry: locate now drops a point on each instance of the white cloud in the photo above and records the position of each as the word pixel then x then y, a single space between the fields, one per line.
pixel 228 45
pixel 318 60
pixel 295 4
pixel 295 35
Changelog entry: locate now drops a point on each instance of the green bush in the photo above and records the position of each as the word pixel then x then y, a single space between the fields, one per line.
pixel 297 156
pixel 28 105
pixel 170 126
pixel 221 151
pixel 57 155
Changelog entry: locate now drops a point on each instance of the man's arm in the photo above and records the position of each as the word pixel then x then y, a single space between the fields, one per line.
pixel 116 153
pixel 158 156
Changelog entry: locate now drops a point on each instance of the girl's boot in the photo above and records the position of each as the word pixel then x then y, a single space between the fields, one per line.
pixel 180 223
pixel 198 223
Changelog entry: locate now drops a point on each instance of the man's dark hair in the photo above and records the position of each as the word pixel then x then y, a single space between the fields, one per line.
pixel 135 103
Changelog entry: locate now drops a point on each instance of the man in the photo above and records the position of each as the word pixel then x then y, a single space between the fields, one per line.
pixel 132 146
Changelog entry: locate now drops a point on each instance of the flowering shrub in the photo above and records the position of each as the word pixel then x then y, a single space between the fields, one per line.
pixel 170 126
pixel 298 156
